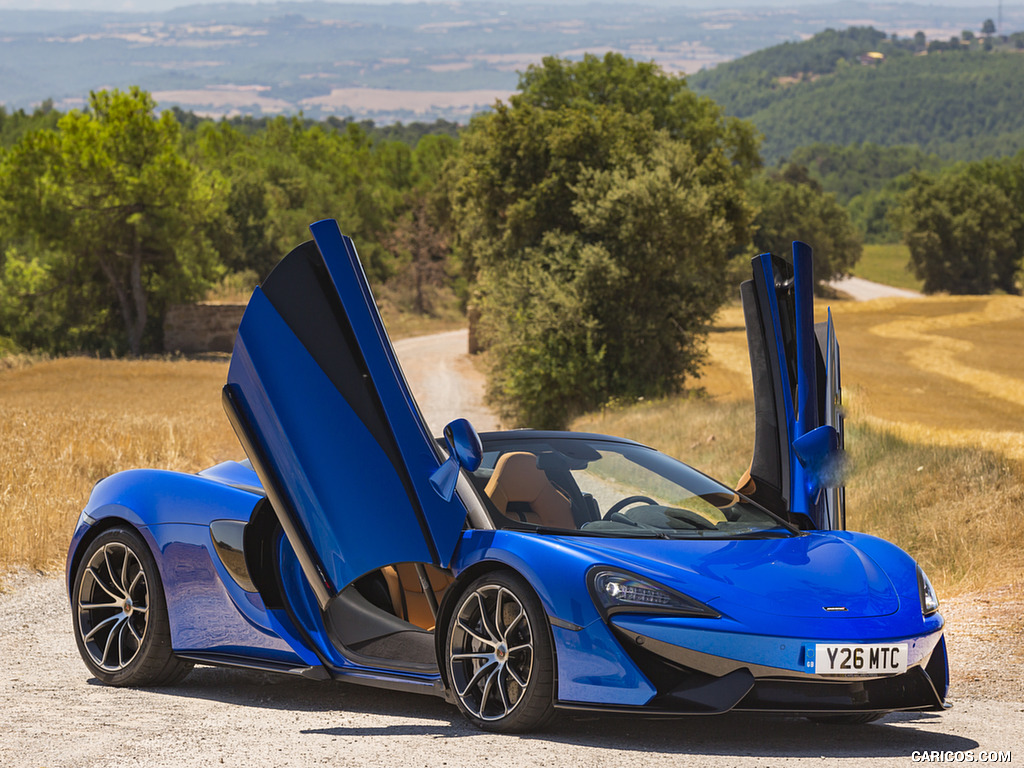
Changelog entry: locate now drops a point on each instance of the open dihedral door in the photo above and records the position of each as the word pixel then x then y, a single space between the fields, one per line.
pixel 795 469
pixel 320 404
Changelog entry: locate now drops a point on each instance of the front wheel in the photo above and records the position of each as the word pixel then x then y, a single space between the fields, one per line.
pixel 120 615
pixel 498 655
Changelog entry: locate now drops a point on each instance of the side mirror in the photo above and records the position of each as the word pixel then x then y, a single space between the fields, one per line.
pixel 819 453
pixel 464 451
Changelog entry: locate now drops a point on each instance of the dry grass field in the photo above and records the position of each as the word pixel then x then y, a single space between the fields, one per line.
pixel 935 417
pixel 67 423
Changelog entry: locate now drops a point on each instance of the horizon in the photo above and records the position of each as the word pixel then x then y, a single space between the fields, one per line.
pixel 161 6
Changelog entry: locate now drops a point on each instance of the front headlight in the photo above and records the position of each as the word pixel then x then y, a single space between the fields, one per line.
pixel 929 600
pixel 615 591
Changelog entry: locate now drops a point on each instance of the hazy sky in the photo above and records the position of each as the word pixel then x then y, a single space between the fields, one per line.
pixel 163 5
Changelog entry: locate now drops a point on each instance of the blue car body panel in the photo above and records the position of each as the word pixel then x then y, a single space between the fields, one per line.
pixel 339 486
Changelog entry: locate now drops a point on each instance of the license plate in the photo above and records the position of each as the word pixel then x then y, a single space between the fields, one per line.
pixel 860 659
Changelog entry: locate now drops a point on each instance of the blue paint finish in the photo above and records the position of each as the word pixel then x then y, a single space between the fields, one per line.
pixel 551 564
pixel 155 496
pixel 801 417
pixel 322 452
pixel 593 668
pixel 419 452
pixel 771 586
pixel 196 588
pixel 233 473
pixel 304 606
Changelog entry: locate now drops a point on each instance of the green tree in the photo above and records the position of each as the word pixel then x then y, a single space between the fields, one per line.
pixel 285 175
pixel 793 206
pixel 596 214
pixel 988 27
pixel 123 218
pixel 963 230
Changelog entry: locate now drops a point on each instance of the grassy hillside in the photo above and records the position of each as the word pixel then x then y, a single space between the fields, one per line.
pixel 961 104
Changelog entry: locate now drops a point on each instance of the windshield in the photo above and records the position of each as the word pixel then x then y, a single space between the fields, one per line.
pixel 601 487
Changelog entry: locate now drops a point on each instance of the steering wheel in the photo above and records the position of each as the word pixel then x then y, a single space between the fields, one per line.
pixel 623 503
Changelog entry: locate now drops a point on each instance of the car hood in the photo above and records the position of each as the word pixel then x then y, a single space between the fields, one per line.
pixel 812 575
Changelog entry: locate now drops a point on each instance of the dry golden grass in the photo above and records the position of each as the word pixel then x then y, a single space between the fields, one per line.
pixel 65 424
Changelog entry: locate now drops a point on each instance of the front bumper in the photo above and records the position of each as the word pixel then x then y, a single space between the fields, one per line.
pixel 696 671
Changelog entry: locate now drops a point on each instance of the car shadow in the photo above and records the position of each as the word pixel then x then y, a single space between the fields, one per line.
pixel 732 734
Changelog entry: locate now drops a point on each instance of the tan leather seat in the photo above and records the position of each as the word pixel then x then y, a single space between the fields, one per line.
pixel 407 597
pixel 517 479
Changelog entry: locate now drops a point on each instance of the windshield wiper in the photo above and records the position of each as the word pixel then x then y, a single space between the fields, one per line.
pixel 645 533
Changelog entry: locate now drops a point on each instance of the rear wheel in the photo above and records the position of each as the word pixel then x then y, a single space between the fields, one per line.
pixel 498 655
pixel 120 615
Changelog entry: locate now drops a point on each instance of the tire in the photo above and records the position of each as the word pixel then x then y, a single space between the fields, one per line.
pixel 120 614
pixel 858 719
pixel 498 655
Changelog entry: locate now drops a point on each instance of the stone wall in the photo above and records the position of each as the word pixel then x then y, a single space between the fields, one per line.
pixel 192 328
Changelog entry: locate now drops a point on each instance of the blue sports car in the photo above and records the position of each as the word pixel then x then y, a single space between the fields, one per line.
pixel 513 573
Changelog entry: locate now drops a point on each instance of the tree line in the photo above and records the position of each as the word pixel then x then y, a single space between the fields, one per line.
pixel 595 222
pixel 958 101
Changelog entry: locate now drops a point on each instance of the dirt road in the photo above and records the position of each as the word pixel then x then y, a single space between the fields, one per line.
pixel 860 289
pixel 444 381
pixel 53 714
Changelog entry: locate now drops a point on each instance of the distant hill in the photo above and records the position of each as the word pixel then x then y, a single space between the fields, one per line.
pixel 397 61
pixel 960 103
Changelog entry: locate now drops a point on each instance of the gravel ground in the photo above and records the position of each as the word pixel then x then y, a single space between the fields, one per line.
pixel 53 714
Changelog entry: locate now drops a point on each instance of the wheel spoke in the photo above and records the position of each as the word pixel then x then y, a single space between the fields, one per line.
pixel 515 675
pixel 99 582
pixel 503 692
pixel 98 606
pixel 110 639
pixel 485 694
pixel 474 679
pixel 497 615
pixel 110 570
pixel 124 575
pixel 492 631
pixel 120 645
pixel 135 582
pixel 512 624
pixel 136 635
pixel 465 656
pixel 101 625
pixel 473 633
pixel 523 647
